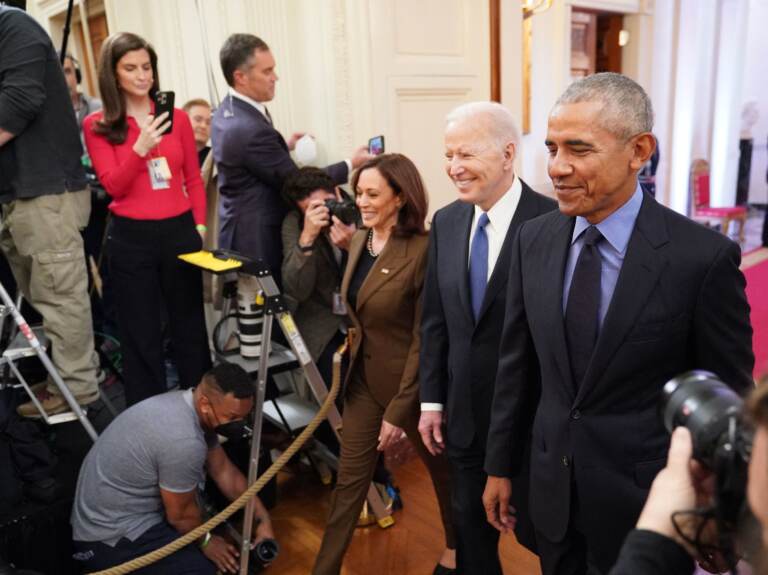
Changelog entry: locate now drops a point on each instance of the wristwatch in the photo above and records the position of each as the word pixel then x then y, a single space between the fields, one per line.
pixel 205 540
pixel 306 249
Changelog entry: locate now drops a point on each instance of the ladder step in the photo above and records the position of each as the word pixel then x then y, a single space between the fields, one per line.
pixel 20 348
pixel 298 412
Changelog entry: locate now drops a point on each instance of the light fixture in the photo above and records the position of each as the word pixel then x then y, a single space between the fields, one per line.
pixel 531 7
pixel 623 37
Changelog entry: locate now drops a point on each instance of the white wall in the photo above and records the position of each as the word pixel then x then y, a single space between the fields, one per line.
pixel 755 89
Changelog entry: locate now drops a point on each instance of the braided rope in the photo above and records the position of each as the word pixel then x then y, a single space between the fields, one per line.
pixel 241 501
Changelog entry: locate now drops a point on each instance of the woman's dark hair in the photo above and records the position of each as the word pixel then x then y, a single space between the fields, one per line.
pixel 301 183
pixel 113 124
pixel 403 177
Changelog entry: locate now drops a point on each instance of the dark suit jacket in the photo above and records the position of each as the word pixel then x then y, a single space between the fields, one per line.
pixel 459 356
pixel 253 161
pixel 384 336
pixel 309 282
pixel 679 304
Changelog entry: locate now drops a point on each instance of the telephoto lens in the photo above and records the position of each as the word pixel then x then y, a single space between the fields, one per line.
pixel 722 441
pixel 705 405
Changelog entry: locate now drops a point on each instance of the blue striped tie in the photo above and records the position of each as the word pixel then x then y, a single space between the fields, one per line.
pixel 478 265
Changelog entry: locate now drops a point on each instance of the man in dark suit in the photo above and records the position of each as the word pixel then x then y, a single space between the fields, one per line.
pixel 614 294
pixel 252 157
pixel 464 299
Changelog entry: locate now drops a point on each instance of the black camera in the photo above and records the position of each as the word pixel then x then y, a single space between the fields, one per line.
pixel 722 441
pixel 345 210
pixel 262 555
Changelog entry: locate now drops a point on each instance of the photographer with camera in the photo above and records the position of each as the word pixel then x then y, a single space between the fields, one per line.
pixel 138 486
pixel 315 244
pixel 717 472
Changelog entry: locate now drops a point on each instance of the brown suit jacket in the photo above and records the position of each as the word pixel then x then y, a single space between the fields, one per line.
pixel 384 337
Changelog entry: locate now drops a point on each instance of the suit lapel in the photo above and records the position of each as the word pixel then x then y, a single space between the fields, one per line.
pixel 526 209
pixel 386 266
pixel 463 226
pixel 551 281
pixel 640 271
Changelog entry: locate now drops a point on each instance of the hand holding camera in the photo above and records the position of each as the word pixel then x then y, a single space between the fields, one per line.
pixel 316 218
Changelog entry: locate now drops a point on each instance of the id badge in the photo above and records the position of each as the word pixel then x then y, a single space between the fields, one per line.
pixel 159 173
pixel 338 304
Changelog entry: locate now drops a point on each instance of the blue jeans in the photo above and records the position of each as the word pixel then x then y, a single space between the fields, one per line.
pixel 189 560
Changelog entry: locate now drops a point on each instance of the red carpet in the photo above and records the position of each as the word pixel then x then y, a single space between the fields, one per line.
pixel 755 269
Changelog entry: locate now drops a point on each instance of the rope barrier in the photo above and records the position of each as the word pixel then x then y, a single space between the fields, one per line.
pixel 241 501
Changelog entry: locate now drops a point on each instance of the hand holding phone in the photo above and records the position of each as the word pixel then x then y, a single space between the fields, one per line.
pixel 164 103
pixel 376 145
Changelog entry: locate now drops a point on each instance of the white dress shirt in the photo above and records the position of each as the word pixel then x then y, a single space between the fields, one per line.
pixel 499 218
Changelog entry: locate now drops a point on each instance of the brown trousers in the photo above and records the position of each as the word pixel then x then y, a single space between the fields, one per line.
pixel 362 423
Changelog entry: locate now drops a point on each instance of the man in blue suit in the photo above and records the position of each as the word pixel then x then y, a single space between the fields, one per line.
pixel 252 157
pixel 464 301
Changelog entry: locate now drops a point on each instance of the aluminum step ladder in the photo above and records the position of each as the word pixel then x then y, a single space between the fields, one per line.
pixel 29 342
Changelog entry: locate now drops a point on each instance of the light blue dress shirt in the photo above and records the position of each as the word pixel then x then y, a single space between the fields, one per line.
pixel 616 229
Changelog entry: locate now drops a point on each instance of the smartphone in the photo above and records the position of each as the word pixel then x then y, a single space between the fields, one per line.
pixel 164 103
pixel 376 145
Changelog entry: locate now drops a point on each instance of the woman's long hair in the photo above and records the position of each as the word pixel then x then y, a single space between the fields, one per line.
pixel 113 124
pixel 403 177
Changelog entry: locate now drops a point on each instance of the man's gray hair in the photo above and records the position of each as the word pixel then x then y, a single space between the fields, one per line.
pixel 501 124
pixel 627 109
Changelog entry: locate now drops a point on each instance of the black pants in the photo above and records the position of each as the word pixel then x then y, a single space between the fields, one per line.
pixel 477 541
pixel 189 560
pixel 148 278
pixel 574 555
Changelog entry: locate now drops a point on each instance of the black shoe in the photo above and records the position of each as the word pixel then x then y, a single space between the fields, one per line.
pixel 443 570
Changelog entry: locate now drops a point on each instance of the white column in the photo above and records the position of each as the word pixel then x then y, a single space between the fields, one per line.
pixel 727 109
pixel 692 109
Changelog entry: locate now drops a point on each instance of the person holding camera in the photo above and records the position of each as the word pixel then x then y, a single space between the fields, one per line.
pixel 664 543
pixel 158 212
pixel 382 291
pixel 315 245
pixel 138 486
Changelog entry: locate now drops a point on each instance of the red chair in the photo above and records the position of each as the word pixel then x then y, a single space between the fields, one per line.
pixel 703 212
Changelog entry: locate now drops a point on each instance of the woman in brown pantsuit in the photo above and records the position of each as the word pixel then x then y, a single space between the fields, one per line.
pixel 382 288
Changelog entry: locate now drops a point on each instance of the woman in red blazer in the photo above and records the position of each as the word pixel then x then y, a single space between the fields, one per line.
pixel 158 212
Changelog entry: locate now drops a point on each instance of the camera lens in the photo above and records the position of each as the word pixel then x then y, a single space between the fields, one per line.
pixel 705 405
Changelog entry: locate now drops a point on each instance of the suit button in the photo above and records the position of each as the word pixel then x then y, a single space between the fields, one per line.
pixel 367 355
pixel 566 461
pixel 575 414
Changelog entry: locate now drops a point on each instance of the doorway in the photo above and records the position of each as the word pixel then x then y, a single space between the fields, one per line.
pixel 596 42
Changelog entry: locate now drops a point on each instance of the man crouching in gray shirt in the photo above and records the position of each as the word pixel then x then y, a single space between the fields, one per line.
pixel 137 489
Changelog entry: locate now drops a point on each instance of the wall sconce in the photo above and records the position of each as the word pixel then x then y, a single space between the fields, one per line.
pixel 623 37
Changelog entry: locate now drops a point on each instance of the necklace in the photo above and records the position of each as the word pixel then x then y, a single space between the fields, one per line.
pixel 369 244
